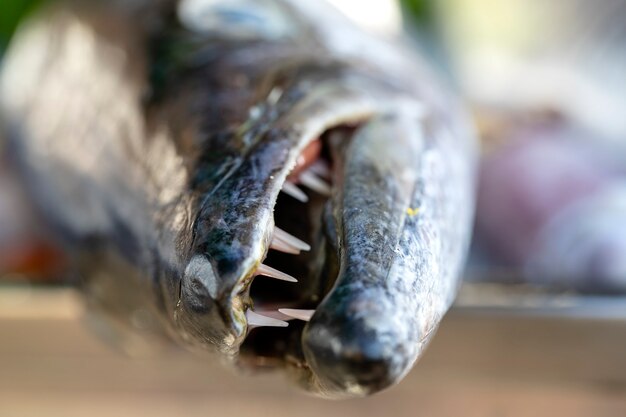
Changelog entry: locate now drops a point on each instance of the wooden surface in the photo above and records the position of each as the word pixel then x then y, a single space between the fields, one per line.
pixel 478 365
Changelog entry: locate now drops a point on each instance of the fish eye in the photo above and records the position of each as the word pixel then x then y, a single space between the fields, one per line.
pixel 236 19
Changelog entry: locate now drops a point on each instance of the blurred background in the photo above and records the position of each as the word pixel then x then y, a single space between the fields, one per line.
pixel 12 12
pixel 540 326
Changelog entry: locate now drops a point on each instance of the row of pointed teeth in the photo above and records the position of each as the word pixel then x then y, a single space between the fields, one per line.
pixel 314 178
pixel 284 242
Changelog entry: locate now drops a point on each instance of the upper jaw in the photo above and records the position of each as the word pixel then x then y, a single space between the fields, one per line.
pixel 232 233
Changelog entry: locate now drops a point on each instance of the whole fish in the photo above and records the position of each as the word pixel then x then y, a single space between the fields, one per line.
pixel 184 152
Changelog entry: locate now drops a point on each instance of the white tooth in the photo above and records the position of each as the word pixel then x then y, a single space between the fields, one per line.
pixel 282 246
pixel 268 271
pixel 257 320
pixel 304 315
pixel 315 183
pixel 320 168
pixel 292 190
pixel 290 240
pixel 275 314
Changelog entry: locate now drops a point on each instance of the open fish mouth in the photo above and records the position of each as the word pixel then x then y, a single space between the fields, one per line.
pixel 299 217
pixel 347 197
pixel 324 203
pixel 265 191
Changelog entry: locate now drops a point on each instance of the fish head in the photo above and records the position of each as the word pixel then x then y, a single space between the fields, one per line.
pixel 278 144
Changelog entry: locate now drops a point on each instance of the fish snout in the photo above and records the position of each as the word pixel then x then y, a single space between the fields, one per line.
pixel 357 344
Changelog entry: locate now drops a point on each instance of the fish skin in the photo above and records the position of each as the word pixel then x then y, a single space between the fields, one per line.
pixel 166 198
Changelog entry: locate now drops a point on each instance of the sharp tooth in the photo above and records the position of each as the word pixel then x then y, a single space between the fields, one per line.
pixel 268 271
pixel 290 240
pixel 275 314
pixel 292 190
pixel 257 320
pixel 320 168
pixel 281 246
pixel 309 179
pixel 304 315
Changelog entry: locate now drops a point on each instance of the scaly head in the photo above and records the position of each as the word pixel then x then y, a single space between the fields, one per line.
pixel 284 198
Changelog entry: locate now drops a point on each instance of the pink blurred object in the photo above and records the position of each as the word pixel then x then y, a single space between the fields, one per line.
pixel 539 191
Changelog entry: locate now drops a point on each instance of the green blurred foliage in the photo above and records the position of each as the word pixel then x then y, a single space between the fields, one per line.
pixel 11 12
pixel 422 11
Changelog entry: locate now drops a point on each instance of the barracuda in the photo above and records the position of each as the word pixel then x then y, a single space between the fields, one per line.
pixel 186 154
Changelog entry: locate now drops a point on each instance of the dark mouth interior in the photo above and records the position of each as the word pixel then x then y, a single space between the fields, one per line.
pixel 316 270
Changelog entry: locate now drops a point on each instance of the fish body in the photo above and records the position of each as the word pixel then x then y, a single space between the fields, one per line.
pixel 156 143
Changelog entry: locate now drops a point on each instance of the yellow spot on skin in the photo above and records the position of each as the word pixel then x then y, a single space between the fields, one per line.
pixel 413 211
